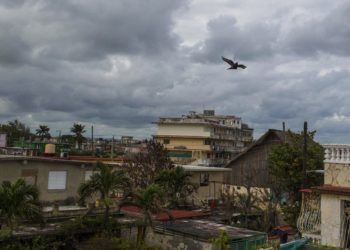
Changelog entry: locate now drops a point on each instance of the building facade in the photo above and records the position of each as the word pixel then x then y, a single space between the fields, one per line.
pixel 203 139
pixel 56 179
pixel 335 197
pixel 59 179
pixel 210 182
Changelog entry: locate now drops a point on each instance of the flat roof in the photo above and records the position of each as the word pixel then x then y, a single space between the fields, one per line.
pixel 53 159
pixel 194 168
pixel 205 229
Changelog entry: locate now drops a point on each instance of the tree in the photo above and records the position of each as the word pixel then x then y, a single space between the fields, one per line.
pixel 15 130
pixel 177 184
pixel 286 168
pixel 144 168
pixel 150 200
pixel 18 201
pixel 221 241
pixel 248 201
pixel 43 132
pixel 105 182
pixel 78 130
pixel 257 207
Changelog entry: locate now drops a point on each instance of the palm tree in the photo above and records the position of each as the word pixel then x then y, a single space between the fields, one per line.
pixel 43 132
pixel 150 200
pixel 177 184
pixel 18 201
pixel 78 130
pixel 105 182
pixel 15 131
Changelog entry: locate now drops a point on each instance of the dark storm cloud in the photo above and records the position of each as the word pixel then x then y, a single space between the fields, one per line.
pixel 56 58
pixel 13 50
pixel 90 29
pixel 329 33
pixel 122 64
pixel 226 37
pixel 12 3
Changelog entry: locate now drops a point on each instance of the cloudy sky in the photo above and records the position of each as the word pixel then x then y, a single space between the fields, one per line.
pixel 120 64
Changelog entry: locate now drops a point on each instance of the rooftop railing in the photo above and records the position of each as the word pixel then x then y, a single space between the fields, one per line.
pixel 337 153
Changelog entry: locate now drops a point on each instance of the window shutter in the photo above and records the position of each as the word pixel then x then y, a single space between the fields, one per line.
pixel 57 180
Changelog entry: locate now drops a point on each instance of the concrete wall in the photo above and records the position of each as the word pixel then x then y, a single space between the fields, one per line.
pixel 184 129
pixel 337 174
pixel 212 191
pixel 331 223
pixel 12 170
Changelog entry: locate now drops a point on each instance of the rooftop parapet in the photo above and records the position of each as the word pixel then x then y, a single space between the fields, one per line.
pixel 337 153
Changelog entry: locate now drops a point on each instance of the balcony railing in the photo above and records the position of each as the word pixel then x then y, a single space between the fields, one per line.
pixel 337 153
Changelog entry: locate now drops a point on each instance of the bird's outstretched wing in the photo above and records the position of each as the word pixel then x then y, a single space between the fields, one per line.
pixel 241 66
pixel 228 61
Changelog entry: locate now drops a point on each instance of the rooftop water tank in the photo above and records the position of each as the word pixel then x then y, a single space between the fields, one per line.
pixel 50 149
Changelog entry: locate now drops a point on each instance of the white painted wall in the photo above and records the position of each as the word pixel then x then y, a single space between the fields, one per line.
pixel 184 129
pixel 331 219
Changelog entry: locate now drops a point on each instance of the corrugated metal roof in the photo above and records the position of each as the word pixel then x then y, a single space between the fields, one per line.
pixel 205 229
pixel 176 213
pixel 279 133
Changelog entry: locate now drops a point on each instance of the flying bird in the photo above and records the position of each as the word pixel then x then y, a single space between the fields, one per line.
pixel 234 65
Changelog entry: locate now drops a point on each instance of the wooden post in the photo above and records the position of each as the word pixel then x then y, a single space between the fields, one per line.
pixel 305 156
pixel 92 141
pixel 112 148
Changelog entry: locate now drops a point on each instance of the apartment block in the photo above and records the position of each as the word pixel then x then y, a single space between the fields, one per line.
pixel 203 138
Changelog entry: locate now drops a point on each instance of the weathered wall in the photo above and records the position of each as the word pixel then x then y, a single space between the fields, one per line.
pixel 189 143
pixel 331 219
pixel 213 190
pixel 12 170
pixel 337 174
pixel 183 129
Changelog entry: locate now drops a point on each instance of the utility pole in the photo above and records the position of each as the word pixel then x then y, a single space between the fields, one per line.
pixel 112 148
pixel 305 155
pixel 92 141
pixel 284 131
pixel 59 135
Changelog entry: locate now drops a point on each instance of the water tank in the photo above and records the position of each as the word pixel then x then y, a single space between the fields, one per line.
pixel 50 149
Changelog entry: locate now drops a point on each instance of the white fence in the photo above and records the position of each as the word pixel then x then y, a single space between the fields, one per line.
pixel 337 153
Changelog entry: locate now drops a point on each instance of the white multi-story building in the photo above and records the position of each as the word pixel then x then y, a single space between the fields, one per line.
pixel 203 139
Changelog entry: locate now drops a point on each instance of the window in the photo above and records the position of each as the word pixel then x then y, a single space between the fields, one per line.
pixel 166 141
pixel 57 180
pixel 88 174
pixel 30 176
pixel 204 179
